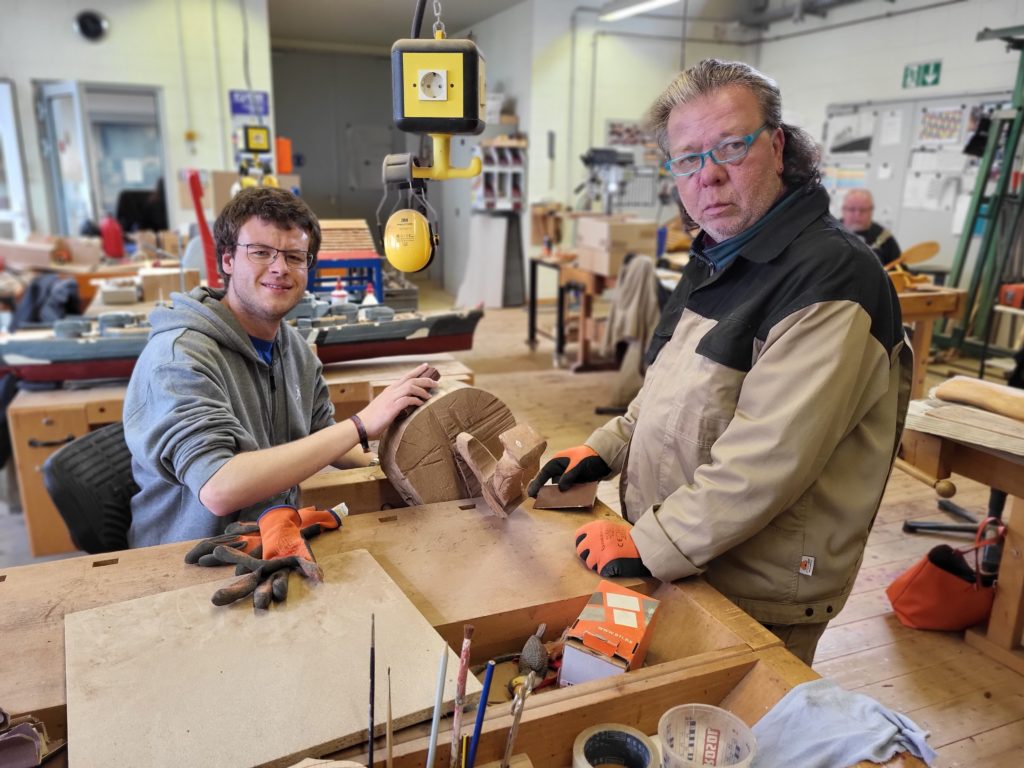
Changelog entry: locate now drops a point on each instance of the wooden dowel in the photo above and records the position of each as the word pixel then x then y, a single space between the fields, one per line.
pixel 944 487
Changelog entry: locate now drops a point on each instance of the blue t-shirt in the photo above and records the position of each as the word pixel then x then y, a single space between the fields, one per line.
pixel 265 349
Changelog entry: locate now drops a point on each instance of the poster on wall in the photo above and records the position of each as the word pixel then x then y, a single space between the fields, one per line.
pixel 892 128
pixel 840 178
pixel 851 132
pixel 941 125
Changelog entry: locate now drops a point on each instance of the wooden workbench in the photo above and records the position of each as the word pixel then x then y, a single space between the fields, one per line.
pixel 455 562
pixel 41 422
pixel 458 564
pixel 941 456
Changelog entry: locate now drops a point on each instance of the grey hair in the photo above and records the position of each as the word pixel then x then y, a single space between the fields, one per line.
pixel 800 155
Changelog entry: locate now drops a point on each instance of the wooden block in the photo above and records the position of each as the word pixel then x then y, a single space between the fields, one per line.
pixel 158 283
pixel 26 255
pixel 188 681
pixel 581 496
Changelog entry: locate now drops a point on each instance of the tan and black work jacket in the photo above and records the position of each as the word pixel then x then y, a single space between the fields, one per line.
pixel 759 446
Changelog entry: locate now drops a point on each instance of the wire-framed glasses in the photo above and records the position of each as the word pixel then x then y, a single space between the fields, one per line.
pixel 728 151
pixel 265 254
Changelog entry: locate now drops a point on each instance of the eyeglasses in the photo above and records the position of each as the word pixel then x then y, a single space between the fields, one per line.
pixel 858 208
pixel 728 151
pixel 265 254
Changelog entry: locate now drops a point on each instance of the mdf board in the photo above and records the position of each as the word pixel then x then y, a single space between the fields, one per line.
pixel 172 680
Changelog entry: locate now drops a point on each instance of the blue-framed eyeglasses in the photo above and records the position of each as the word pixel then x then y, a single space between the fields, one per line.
pixel 265 254
pixel 728 151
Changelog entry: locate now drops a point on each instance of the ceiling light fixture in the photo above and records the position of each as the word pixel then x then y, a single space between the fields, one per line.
pixel 623 9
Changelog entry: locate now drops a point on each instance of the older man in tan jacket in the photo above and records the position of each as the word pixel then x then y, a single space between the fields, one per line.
pixel 759 446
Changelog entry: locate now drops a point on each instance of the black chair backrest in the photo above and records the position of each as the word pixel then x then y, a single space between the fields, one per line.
pixel 91 484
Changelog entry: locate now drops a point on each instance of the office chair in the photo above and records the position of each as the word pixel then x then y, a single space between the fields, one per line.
pixel 91 484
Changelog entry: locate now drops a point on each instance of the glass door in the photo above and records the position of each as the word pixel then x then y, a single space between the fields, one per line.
pixel 66 154
pixel 14 218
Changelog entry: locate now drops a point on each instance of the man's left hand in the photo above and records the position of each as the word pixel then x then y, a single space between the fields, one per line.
pixel 607 547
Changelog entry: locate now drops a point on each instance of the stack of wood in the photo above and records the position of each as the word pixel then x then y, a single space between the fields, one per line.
pixel 350 237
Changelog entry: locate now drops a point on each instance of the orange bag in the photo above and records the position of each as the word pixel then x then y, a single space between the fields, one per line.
pixel 929 596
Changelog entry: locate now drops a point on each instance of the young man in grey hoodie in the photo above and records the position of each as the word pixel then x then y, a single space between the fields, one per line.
pixel 227 409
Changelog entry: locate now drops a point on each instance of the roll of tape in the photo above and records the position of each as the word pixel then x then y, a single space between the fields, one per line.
pixel 613 744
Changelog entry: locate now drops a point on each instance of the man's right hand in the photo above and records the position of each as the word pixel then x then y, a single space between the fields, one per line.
pixel 570 467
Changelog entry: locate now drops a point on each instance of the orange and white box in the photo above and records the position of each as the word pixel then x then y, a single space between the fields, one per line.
pixel 611 635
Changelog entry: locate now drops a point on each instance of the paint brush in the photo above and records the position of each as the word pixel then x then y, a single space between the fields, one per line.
pixel 389 733
pixel 460 696
pixel 373 677
pixel 438 699
pixel 481 708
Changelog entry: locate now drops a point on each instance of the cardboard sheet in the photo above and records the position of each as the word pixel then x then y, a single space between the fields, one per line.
pixel 172 680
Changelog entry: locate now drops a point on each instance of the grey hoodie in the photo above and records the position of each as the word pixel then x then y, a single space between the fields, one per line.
pixel 198 396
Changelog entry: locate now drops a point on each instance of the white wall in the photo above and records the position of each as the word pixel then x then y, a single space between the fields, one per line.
pixel 143 47
pixel 575 86
pixel 504 40
pixel 864 61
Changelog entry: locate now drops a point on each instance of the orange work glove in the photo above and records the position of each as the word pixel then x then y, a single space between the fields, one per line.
pixel 607 547
pixel 285 549
pixel 245 537
pixel 570 467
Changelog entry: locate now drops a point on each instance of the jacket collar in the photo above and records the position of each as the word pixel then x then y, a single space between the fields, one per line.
pixel 811 201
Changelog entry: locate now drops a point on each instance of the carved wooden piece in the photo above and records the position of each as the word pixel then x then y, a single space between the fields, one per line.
pixel 503 480
pixel 417 453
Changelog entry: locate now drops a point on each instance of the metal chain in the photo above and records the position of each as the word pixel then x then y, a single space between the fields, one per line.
pixel 438 25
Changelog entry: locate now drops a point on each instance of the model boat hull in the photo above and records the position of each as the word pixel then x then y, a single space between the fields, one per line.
pixel 113 356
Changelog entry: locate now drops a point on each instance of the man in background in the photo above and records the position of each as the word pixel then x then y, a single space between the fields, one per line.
pixel 858 208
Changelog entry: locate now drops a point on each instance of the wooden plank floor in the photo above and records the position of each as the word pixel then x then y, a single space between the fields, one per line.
pixel 972 706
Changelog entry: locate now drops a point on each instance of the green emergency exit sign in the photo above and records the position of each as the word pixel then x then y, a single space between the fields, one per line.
pixel 922 75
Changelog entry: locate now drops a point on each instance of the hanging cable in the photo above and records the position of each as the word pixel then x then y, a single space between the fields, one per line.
pixel 417 18
pixel 253 110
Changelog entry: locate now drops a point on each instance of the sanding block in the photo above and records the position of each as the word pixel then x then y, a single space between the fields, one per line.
pixel 580 496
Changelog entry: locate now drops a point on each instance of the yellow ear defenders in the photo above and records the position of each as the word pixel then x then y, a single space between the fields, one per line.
pixel 409 241
pixel 409 237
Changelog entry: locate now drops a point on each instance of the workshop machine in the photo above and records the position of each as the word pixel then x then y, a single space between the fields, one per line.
pixel 437 89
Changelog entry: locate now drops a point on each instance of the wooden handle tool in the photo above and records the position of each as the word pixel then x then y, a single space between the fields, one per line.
pixel 944 487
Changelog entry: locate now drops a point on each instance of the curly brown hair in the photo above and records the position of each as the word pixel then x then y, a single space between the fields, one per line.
pixel 276 206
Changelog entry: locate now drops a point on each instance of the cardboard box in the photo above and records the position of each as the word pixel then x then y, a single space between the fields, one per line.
pixel 611 635
pixel 614 233
pixel 602 242
pixel 600 262
pixel 158 283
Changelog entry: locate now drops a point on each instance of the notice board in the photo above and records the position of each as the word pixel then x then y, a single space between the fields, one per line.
pixel 909 154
